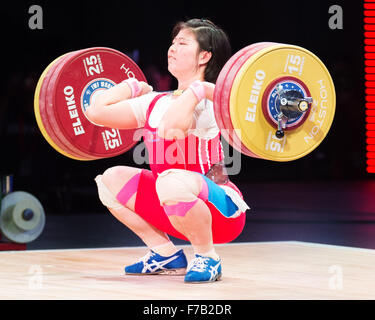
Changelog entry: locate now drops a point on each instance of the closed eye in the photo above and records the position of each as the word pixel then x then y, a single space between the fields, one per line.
pixel 180 43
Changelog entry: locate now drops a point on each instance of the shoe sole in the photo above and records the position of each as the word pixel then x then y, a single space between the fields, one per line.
pixel 218 278
pixel 169 272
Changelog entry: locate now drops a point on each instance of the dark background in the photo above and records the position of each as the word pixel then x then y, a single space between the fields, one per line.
pixel 66 186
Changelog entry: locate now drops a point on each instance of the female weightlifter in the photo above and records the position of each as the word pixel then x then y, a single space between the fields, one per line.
pixel 187 193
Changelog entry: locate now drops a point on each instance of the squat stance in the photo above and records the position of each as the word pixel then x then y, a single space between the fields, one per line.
pixel 187 193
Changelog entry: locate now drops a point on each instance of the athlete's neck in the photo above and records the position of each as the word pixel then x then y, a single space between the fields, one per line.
pixel 183 84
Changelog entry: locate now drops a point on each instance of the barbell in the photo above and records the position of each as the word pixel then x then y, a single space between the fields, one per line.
pixel 22 216
pixel 271 101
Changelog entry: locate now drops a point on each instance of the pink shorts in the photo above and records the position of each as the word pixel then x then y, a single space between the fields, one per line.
pixel 147 205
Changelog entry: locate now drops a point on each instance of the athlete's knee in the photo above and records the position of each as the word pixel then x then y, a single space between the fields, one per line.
pixel 176 185
pixel 105 195
pixel 111 174
pixel 178 190
pixel 117 185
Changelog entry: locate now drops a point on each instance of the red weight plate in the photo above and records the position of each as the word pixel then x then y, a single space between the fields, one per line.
pixel 224 114
pixel 50 123
pixel 219 110
pixel 37 112
pixel 226 91
pixel 228 75
pixel 218 91
pixel 226 97
pixel 71 88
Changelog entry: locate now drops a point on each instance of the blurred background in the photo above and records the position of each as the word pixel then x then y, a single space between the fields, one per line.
pixel 142 30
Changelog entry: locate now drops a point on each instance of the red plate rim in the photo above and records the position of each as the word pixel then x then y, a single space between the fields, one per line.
pixel 55 81
pixel 51 125
pixel 225 92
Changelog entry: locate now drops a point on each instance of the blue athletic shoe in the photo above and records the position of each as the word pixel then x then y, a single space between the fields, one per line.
pixel 203 269
pixel 153 263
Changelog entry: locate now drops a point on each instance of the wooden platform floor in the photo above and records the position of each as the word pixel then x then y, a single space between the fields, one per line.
pixel 263 270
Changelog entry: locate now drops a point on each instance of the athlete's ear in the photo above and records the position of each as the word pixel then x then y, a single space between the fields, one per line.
pixel 204 57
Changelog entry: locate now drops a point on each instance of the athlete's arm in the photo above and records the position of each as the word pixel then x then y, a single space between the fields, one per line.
pixel 179 118
pixel 111 109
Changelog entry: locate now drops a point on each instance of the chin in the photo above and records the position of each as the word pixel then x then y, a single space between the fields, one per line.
pixel 173 71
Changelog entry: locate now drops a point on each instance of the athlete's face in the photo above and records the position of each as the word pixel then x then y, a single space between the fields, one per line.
pixel 183 54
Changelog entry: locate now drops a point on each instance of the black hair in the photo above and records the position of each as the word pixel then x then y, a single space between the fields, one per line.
pixel 210 38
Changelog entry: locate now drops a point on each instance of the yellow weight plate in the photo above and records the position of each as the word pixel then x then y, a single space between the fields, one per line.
pixel 37 112
pixel 251 81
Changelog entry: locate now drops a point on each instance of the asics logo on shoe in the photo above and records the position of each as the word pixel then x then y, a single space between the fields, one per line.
pixel 213 271
pixel 155 265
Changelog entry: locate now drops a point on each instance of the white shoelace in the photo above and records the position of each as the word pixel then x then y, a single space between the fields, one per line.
pixel 198 264
pixel 147 256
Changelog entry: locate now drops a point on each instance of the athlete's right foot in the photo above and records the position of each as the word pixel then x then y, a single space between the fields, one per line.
pixel 153 263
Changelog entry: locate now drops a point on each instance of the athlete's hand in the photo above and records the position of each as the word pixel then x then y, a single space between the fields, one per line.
pixel 146 88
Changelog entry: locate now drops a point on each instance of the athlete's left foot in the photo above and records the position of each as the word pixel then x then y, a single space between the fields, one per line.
pixel 203 269
pixel 153 263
